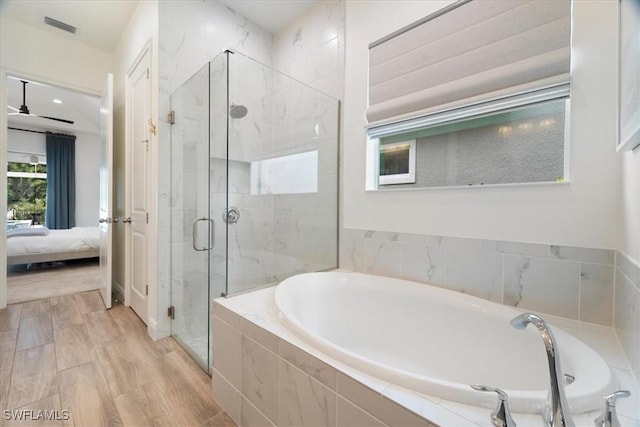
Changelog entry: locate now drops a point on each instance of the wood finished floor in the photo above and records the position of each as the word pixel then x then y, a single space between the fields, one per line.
pixel 69 353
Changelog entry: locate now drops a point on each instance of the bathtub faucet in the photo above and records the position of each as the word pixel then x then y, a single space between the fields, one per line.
pixel 556 413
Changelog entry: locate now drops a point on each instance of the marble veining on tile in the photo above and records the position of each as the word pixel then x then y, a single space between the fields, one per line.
pixel 303 400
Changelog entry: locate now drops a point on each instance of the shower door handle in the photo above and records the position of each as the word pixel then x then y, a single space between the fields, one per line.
pixel 194 234
pixel 212 242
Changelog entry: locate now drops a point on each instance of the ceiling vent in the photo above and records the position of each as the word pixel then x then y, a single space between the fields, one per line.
pixel 61 25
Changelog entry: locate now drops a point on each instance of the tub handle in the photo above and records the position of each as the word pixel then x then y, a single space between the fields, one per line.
pixel 501 416
pixel 609 418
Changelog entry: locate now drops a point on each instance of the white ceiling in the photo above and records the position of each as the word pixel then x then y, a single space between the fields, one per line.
pixel 272 15
pixel 99 23
pixel 83 110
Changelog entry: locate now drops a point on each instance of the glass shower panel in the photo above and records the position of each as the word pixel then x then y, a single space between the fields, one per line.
pixel 190 225
pixel 218 172
pixel 282 177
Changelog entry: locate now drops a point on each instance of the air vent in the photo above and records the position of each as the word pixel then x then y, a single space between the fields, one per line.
pixel 61 25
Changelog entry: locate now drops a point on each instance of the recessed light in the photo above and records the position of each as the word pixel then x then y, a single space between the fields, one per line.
pixel 57 101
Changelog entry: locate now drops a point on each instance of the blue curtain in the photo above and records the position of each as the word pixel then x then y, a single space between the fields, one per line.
pixel 61 181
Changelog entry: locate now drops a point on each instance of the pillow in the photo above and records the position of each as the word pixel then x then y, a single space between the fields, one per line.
pixel 31 231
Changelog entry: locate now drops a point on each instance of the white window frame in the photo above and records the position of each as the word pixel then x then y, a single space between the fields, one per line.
pixel 526 99
pixel 399 178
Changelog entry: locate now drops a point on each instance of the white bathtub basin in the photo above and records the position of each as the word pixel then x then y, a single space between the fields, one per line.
pixel 435 341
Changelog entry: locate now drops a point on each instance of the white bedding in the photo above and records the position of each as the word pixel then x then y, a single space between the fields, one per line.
pixel 75 239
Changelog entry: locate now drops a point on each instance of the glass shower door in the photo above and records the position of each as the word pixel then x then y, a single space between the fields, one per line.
pixel 191 229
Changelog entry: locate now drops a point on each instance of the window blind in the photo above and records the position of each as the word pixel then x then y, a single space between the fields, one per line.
pixel 473 52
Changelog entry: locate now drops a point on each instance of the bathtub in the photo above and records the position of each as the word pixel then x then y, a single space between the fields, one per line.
pixel 435 341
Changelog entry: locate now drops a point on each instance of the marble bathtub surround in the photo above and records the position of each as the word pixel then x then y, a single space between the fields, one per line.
pixel 265 380
pixel 567 281
pixel 307 388
pixel 627 311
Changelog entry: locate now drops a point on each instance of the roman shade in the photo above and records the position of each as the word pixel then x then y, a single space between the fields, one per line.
pixel 470 53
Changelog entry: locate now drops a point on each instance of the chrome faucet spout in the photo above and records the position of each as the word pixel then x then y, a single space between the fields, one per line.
pixel 557 412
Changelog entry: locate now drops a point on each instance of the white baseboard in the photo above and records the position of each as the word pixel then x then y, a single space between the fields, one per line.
pixel 118 290
pixel 152 329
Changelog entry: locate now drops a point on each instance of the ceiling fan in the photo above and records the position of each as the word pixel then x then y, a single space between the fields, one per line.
pixel 24 110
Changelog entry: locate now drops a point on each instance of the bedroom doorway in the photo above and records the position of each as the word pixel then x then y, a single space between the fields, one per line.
pixel 49 259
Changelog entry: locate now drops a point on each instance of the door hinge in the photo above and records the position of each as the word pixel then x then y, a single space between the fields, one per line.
pixel 146 289
pixel 171 117
pixel 147 73
pixel 171 312
pixel 147 217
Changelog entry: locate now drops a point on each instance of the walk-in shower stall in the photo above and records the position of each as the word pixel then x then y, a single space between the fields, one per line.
pixel 254 188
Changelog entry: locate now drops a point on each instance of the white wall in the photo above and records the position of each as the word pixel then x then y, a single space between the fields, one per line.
pixel 630 244
pixel 583 213
pixel 87 179
pixel 28 142
pixel 31 52
pixel 142 28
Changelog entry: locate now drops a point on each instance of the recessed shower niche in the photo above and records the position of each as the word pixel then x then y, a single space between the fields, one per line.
pixel 254 188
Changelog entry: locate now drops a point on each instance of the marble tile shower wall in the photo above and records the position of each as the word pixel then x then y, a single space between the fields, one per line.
pixel 572 282
pixel 627 309
pixel 311 49
pixel 191 34
pixel 278 235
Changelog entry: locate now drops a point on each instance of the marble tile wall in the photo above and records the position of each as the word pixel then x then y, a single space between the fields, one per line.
pixel 191 33
pixel 283 118
pixel 311 49
pixel 627 309
pixel 272 239
pixel 260 379
pixel 577 283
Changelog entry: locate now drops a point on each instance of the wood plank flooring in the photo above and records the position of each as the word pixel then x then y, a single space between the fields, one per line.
pixel 48 280
pixel 69 353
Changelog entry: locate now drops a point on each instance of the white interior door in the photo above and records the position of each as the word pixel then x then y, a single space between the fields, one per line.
pixel 106 189
pixel 139 138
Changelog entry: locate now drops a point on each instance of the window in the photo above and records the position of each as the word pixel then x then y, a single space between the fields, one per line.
pixel 397 162
pixel 26 193
pixel 521 145
pixel 482 87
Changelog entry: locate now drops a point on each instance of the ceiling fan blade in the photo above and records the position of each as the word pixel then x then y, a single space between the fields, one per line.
pixel 12 108
pixel 54 118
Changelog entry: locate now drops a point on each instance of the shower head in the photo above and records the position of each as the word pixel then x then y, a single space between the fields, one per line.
pixel 237 111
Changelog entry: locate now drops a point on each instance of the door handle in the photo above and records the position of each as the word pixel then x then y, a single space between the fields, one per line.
pixel 108 220
pixel 126 220
pixel 212 226
pixel 194 234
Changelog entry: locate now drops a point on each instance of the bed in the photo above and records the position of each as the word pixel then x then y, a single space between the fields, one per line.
pixel 56 245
